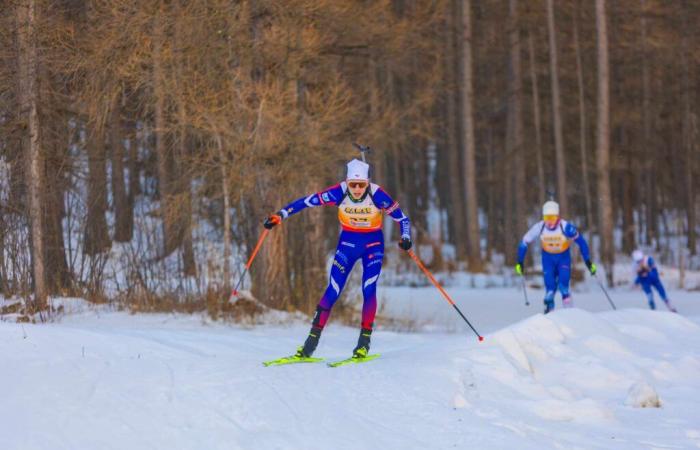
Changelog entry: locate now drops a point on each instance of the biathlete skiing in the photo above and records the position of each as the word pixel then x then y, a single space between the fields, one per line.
pixel 555 236
pixel 647 276
pixel 361 205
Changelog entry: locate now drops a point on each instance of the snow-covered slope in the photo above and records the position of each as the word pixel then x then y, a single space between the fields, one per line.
pixel 569 380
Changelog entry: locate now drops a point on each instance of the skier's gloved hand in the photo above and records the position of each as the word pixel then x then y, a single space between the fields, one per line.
pixel 591 267
pixel 406 243
pixel 273 220
pixel 519 268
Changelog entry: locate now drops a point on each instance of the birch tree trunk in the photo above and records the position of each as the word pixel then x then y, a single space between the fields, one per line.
pixel 603 144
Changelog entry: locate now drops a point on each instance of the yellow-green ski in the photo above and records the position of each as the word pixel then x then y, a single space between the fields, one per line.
pixel 291 360
pixel 354 360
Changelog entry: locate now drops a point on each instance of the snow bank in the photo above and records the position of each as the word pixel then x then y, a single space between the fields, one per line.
pixel 626 379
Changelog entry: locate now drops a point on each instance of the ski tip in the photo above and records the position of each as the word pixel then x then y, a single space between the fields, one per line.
pixel 481 338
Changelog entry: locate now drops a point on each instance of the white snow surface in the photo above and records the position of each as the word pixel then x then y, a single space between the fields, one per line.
pixel 580 378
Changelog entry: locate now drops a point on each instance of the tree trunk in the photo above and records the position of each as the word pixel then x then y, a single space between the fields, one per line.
pixel 474 261
pixel 56 141
pixel 123 212
pixel 515 138
pixel 692 151
pixel 538 122
pixel 452 132
pixel 29 104
pixel 227 213
pixel 647 144
pixel 556 111
pixel 628 238
pixel 603 144
pixel 583 132
pixel 690 130
pixel 96 231
pixel 184 180
pixel 168 210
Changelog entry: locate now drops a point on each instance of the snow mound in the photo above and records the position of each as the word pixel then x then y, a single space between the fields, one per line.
pixel 576 366
pixel 643 395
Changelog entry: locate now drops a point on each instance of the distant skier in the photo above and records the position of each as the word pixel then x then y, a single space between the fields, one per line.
pixel 555 236
pixel 647 276
pixel 360 207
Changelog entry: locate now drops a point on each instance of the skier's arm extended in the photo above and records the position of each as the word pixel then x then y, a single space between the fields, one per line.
pixel 530 236
pixel 385 202
pixel 329 196
pixel 571 232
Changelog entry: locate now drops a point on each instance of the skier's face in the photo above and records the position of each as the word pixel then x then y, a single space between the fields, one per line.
pixel 357 188
pixel 550 220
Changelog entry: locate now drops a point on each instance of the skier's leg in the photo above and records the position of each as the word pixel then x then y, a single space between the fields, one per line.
pixel 662 293
pixel 550 281
pixel 345 257
pixel 564 270
pixel 372 267
pixel 650 295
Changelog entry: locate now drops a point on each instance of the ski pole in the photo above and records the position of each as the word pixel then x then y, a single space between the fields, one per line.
pixel 527 302
pixel 250 261
pixel 605 292
pixel 442 291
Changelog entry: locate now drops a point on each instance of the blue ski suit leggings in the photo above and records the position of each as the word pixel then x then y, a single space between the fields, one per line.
pixel 351 247
pixel 656 283
pixel 556 268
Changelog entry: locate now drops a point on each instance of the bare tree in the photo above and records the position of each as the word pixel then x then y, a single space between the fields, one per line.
pixel 603 144
pixel 556 110
pixel 29 110
pixel 541 190
pixel 515 139
pixel 469 160
pixel 583 128
pixel 452 132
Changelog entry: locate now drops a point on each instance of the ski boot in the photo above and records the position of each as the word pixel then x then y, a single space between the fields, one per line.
pixel 548 306
pixel 362 348
pixel 306 350
pixel 567 302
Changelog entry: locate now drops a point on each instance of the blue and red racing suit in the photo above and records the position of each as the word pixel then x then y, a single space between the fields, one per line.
pixel 361 237
pixel 648 277
pixel 556 256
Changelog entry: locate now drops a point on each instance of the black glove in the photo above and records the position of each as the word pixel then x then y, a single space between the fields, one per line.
pixel 273 220
pixel 406 243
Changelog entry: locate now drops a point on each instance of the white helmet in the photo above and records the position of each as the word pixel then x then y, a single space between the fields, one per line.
pixel 358 170
pixel 550 208
pixel 637 256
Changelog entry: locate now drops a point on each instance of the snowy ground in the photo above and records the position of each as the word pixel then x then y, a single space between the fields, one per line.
pixel 574 379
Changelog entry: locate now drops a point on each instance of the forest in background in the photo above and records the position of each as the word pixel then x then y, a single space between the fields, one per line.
pixel 142 143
